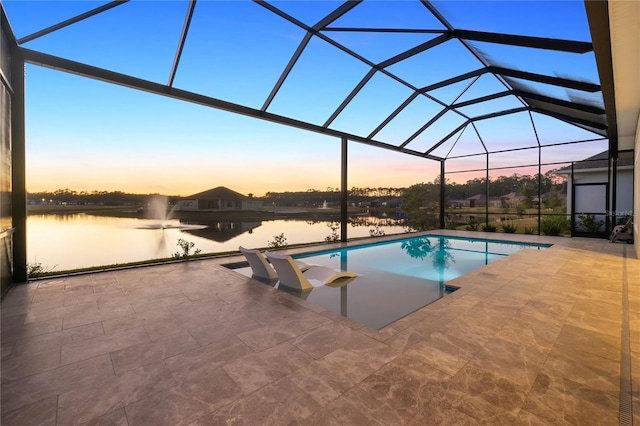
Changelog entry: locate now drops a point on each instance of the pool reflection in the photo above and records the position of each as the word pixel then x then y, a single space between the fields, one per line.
pixel 396 278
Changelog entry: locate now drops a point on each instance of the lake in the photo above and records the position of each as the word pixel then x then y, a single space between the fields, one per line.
pixel 71 241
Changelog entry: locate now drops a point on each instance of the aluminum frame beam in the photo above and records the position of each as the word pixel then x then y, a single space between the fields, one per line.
pixel 71 21
pixel 66 65
pixel 598 17
pixel 525 41
pixel 569 119
pixel 183 38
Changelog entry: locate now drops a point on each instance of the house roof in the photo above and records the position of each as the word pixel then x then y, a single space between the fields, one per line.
pixel 511 196
pixel 598 161
pixel 219 193
pixel 477 197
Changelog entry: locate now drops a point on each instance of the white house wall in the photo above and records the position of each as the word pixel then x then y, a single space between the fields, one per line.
pixel 194 205
pixel 636 187
pixel 624 194
pixel 624 191
pixel 251 205
pixel 188 205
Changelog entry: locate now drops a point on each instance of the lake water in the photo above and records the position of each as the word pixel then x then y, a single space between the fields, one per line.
pixel 72 241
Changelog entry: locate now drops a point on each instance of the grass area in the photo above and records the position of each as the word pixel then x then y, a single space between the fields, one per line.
pixel 528 224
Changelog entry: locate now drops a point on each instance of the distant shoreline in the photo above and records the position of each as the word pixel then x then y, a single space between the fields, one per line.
pixel 278 212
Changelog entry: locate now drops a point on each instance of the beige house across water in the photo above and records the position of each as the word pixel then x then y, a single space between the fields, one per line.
pixel 219 199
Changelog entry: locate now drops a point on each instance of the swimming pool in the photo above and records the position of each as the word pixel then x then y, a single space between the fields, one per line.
pixel 400 276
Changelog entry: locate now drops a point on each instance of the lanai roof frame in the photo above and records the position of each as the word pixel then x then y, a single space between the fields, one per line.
pixel 605 125
pixel 327 25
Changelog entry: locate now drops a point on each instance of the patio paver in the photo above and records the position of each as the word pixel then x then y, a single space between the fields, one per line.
pixel 535 338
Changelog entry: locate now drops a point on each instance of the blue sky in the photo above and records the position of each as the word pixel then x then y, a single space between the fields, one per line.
pixel 84 134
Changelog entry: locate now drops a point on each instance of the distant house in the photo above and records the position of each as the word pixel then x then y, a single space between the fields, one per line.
pixel 511 199
pixel 390 202
pixel 456 204
pixel 479 200
pixel 219 199
pixel 512 196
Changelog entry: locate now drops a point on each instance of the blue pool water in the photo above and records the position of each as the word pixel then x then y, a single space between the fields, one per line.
pixel 401 276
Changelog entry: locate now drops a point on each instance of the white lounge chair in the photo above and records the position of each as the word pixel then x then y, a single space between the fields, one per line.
pixel 291 276
pixel 261 268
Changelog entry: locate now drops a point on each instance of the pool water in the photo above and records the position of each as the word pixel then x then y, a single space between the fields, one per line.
pixel 398 277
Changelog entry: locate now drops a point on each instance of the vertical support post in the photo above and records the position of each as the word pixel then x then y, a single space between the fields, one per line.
pixel 573 203
pixel 18 168
pixel 486 194
pixel 344 199
pixel 539 186
pixel 442 195
pixel 612 216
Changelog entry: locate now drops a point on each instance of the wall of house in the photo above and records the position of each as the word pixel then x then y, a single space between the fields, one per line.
pixel 229 204
pixel 211 204
pixel 251 205
pixel 624 195
pixel 636 188
pixel 624 191
pixel 187 205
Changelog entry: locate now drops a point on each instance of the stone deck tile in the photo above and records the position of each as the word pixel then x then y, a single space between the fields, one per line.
pixel 87 349
pixel 113 418
pixel 170 407
pixel 158 350
pixel 355 407
pixel 405 384
pixel 514 361
pixel 530 339
pixel 558 400
pixel 498 390
pixel 14 329
pixel 29 364
pixel 586 369
pixel 278 403
pixel 50 383
pixel 329 377
pixel 83 403
pixel 43 412
pixel 325 339
pixel 54 340
pixel 256 370
pixel 582 340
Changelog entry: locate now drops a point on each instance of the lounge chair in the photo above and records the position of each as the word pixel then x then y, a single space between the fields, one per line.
pixel 291 276
pixel 261 268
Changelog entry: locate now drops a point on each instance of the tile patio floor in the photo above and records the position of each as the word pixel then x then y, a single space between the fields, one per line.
pixel 541 337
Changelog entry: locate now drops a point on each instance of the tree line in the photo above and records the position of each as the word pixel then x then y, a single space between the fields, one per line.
pixel 503 185
pixel 526 185
pixel 107 198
